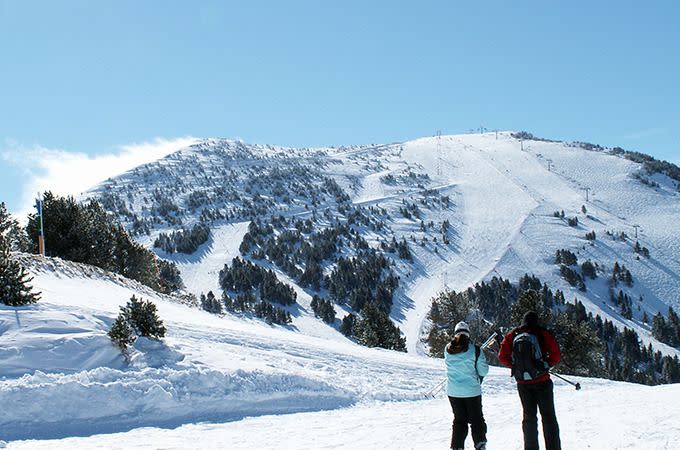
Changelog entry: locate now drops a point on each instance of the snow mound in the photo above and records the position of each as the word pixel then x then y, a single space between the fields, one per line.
pixel 104 399
pixel 38 337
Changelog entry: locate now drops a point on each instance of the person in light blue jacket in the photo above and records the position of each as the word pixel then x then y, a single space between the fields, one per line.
pixel 465 368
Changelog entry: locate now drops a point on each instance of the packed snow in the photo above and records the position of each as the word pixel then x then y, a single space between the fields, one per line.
pixel 225 382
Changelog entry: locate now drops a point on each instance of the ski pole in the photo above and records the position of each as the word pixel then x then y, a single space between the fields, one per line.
pixel 489 341
pixel 576 385
pixel 436 389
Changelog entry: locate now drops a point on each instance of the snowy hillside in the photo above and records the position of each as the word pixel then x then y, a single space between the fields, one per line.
pixel 229 382
pixel 407 219
pixel 498 196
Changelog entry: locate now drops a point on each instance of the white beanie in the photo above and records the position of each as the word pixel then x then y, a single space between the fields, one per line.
pixel 462 327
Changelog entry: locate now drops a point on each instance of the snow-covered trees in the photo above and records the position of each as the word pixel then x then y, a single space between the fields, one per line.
pixel 363 279
pixel 183 241
pixel 449 308
pixel 588 269
pixel 644 251
pixel 572 277
pixel 243 276
pixel 564 256
pixel 13 235
pixel 271 314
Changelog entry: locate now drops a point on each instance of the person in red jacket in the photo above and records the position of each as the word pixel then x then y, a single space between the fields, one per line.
pixel 534 385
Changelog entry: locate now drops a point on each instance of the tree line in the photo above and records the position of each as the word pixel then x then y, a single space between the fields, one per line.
pixel 85 233
pixel 667 330
pixel 590 345
pixel 184 241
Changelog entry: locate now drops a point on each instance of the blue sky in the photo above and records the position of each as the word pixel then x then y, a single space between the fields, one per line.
pixel 84 80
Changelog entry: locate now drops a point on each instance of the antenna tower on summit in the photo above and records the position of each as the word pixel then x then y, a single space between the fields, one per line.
pixel 439 152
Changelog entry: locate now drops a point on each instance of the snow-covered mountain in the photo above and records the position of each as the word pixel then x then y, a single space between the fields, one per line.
pixel 233 381
pixel 497 193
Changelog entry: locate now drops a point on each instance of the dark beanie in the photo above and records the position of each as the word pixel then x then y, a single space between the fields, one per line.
pixel 530 319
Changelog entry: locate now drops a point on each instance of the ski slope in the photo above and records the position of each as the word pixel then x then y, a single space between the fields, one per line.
pixel 200 271
pixel 225 382
pixel 504 194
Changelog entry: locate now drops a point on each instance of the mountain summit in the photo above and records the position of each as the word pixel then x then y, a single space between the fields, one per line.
pixel 466 208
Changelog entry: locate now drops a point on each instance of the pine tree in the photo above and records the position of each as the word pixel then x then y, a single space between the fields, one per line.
pixel 376 329
pixel 14 236
pixel 530 301
pixel 213 303
pixel 14 279
pixel 170 279
pixel 142 316
pixel 580 347
pixel 669 370
pixel 5 220
pixel 348 324
pixel 121 333
pixel 645 317
pixel 588 269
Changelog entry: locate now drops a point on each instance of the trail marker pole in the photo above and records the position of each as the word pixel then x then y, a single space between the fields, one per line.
pixel 41 231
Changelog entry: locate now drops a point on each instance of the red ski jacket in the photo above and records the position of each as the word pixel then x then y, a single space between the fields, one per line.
pixel 549 348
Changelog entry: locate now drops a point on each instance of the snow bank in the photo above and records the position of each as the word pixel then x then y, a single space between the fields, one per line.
pixel 104 400
pixel 39 337
pixel 604 415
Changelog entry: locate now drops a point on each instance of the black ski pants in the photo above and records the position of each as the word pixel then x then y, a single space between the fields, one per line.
pixel 539 396
pixel 467 411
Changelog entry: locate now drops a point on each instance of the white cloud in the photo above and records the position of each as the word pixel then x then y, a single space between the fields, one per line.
pixel 72 173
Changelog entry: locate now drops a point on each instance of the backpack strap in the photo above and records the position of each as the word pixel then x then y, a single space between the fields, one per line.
pixel 478 350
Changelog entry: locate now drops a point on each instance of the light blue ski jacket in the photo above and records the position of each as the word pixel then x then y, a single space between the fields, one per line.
pixel 462 379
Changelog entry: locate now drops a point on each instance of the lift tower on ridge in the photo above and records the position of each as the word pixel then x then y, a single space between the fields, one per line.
pixel 439 152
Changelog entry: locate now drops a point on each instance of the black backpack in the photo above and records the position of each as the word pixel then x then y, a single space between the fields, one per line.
pixel 527 357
